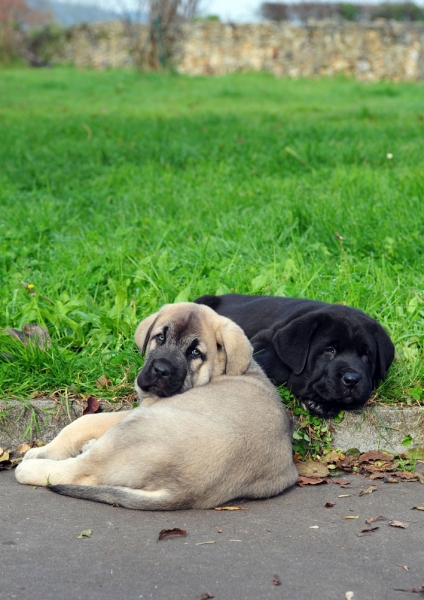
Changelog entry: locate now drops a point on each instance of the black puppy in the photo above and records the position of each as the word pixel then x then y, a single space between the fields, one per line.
pixel 331 356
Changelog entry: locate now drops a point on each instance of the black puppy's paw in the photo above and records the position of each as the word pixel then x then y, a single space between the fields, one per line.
pixel 319 409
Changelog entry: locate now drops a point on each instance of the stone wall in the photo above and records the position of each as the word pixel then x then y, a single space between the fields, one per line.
pixel 368 51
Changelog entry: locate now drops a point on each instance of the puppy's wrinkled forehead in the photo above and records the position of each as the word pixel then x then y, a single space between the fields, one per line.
pixel 181 327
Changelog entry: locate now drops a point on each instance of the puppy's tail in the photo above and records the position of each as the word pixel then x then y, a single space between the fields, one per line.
pixel 123 496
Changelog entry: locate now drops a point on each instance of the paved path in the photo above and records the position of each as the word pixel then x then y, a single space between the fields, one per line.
pixel 41 557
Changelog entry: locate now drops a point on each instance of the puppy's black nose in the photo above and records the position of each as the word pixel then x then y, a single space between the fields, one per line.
pixel 350 380
pixel 161 368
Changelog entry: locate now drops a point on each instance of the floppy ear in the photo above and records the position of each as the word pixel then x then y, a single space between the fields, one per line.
pixel 385 354
pixel 142 333
pixel 292 341
pixel 265 355
pixel 236 346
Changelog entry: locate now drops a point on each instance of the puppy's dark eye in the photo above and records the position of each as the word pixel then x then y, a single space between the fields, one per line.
pixel 160 338
pixel 195 353
pixel 330 351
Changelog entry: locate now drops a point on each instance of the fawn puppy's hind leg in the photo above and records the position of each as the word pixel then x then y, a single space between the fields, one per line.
pixel 72 438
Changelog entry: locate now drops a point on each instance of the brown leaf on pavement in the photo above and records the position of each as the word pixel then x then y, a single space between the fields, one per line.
pixel 24 448
pixel 276 580
pixel 373 455
pixel 205 596
pixel 369 529
pixel 369 490
pixel 399 524
pixel 93 406
pixel 340 481
pixel 4 456
pixel 329 504
pixel 373 519
pixel 387 477
pixel 330 457
pixel 414 476
pixel 312 468
pixel 168 532
pixel 302 481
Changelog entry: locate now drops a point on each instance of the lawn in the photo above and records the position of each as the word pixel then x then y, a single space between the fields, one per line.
pixel 121 191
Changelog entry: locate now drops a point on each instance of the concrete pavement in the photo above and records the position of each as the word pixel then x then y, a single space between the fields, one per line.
pixel 41 557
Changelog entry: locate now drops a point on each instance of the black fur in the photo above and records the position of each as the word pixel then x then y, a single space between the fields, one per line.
pixel 331 356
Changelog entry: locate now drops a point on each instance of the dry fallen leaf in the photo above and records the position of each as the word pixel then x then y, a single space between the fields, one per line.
pixel 399 524
pixel 374 455
pixel 330 457
pixel 276 580
pixel 314 527
pixel 302 481
pixel 312 468
pixel 351 517
pixel 230 508
pixel 344 495
pixel 417 508
pixel 93 406
pixel 205 596
pixel 24 448
pixel 403 566
pixel 349 595
pixel 168 532
pixel 369 490
pixel 85 534
pixel 219 530
pixel 4 456
pixel 329 504
pixel 341 481
pixel 103 382
pixel 373 519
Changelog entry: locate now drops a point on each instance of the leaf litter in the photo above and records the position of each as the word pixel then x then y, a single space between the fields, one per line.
pixel 374 464
pixel 10 459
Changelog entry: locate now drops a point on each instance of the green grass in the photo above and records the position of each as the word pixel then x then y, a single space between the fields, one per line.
pixel 121 191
